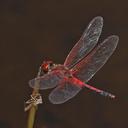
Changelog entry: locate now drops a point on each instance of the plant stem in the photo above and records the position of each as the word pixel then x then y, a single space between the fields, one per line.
pixel 32 112
pixel 31 117
pixel 34 107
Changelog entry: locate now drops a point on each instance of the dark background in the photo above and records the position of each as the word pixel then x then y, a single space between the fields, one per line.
pixel 31 31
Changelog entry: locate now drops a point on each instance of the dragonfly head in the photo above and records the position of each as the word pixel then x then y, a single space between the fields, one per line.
pixel 46 66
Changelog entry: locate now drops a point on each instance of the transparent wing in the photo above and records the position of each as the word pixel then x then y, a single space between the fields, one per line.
pixel 87 67
pixel 65 91
pixel 86 43
pixel 47 81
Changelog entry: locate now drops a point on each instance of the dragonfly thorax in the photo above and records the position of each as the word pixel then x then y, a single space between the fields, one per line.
pixel 49 66
pixel 64 70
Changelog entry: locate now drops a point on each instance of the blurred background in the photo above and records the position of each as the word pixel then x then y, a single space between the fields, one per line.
pixel 32 31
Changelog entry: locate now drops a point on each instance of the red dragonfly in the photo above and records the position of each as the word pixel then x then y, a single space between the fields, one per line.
pixel 83 61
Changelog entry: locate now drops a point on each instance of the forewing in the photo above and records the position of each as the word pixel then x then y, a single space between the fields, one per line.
pixel 47 81
pixel 86 43
pixel 87 67
pixel 65 91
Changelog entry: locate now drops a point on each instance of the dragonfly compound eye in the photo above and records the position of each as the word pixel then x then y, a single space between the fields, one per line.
pixel 45 67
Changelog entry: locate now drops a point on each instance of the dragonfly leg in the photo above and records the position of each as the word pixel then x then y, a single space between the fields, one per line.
pixel 35 100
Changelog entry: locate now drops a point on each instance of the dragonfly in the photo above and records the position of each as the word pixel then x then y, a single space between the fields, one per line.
pixel 81 64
